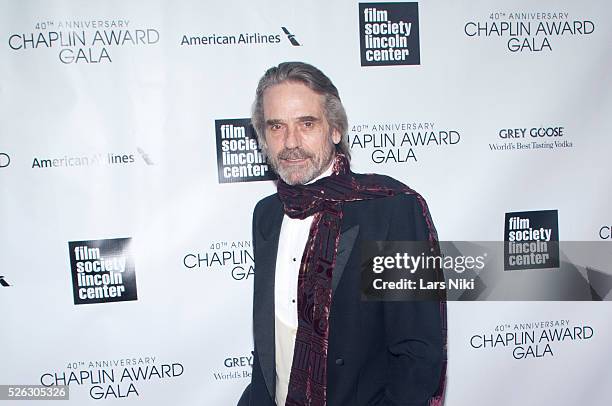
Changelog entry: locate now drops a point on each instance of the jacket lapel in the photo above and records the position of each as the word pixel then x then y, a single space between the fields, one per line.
pixel 345 247
pixel 265 268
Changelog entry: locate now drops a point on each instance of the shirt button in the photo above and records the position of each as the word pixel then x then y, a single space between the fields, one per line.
pixel 339 362
pixel 293 300
pixel 294 259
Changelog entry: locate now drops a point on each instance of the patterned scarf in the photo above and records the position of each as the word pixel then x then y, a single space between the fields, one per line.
pixel 324 199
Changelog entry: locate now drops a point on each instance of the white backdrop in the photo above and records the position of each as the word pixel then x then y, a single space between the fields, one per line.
pixel 152 104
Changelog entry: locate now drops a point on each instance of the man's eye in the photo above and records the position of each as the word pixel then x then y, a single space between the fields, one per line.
pixel 308 124
pixel 275 127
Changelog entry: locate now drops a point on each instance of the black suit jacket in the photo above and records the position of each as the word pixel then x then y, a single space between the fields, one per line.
pixel 380 353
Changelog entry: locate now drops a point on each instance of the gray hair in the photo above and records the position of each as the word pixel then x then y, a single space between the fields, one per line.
pixel 315 80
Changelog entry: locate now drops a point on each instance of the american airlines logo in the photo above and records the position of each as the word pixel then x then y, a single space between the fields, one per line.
pixel 291 37
pixel 3 282
pixel 255 38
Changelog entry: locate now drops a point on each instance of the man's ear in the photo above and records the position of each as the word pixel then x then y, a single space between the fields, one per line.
pixel 336 137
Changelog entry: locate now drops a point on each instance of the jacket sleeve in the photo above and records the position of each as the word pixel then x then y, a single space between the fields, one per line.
pixel 255 393
pixel 245 399
pixel 415 331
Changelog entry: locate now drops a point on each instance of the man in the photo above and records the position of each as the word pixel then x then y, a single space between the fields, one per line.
pixel 316 342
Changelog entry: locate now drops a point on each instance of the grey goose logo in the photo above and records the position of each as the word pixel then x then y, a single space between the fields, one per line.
pixel 5 160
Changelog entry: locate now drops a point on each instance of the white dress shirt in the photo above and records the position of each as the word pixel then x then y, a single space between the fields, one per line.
pixel 291 244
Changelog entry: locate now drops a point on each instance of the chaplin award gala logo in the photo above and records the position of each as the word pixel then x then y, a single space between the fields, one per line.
pixel 528 31
pixel 533 339
pixel 115 378
pixel 400 141
pixel 82 41
pixel 605 232
pixel 233 258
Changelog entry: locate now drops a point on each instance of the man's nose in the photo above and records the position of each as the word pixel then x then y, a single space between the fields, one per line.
pixel 292 138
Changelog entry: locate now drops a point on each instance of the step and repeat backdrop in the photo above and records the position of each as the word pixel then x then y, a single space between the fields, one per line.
pixel 128 176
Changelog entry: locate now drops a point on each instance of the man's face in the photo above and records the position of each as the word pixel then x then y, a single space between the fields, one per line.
pixel 300 144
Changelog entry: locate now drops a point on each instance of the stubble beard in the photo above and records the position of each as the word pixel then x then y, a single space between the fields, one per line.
pixel 315 164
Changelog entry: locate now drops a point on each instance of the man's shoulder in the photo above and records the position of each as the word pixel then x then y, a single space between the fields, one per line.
pixel 268 203
pixel 386 181
pixel 405 210
pixel 382 180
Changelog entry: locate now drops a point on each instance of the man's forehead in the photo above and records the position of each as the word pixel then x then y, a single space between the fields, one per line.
pixel 292 98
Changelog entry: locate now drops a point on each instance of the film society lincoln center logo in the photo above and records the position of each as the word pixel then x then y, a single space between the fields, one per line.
pixel 102 271
pixel 531 240
pixel 239 158
pixel 389 34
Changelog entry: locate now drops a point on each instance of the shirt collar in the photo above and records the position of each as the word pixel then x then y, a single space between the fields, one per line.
pixel 325 173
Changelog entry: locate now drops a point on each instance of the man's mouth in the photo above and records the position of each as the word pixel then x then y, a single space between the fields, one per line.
pixel 294 161
pixel 293 157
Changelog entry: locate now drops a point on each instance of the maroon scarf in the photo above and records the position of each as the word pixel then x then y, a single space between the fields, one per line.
pixel 324 199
